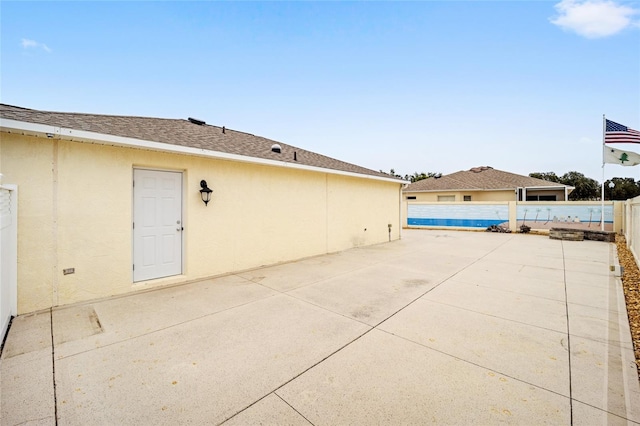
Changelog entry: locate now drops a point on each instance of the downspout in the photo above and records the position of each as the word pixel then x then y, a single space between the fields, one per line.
pixel 54 227
pixel 326 212
pixel 400 211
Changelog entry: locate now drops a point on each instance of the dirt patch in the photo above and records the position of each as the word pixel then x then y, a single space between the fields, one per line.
pixel 415 283
pixel 364 312
pixel 79 322
pixel 631 285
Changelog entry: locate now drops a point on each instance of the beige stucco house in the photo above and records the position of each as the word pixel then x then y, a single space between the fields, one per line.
pixel 475 198
pixel 485 184
pixel 114 204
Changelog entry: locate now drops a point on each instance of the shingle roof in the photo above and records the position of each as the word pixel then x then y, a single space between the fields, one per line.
pixel 183 133
pixel 479 179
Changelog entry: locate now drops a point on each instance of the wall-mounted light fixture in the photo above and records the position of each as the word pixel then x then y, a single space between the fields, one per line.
pixel 205 192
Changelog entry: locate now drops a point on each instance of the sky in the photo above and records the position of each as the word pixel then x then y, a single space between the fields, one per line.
pixel 421 86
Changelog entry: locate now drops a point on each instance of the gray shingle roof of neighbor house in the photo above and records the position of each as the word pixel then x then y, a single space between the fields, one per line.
pixel 189 133
pixel 481 179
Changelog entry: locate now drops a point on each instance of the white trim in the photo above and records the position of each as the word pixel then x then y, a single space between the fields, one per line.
pixel 555 188
pixel 10 259
pixel 45 130
pixel 549 187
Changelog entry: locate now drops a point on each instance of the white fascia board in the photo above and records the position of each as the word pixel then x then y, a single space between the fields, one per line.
pixel 561 187
pixel 36 129
pixel 448 190
pixel 555 188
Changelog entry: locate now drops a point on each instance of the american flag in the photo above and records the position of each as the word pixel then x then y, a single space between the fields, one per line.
pixel 617 133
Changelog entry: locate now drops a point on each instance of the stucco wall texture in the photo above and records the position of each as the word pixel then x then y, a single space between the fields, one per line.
pixel 76 207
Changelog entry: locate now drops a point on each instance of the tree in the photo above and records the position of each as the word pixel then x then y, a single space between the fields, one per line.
pixel 623 189
pixel 393 173
pixel 415 177
pixel 548 176
pixel 585 188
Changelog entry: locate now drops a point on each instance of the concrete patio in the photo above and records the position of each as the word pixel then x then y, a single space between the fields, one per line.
pixel 441 327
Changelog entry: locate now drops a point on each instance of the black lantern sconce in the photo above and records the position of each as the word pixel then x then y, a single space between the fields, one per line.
pixel 205 192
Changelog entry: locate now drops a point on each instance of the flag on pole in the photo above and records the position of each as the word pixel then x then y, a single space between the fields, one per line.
pixel 620 157
pixel 617 133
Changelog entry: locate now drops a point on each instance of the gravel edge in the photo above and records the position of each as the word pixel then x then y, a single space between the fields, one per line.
pixel 631 286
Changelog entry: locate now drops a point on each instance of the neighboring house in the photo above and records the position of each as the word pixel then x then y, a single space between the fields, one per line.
pixel 485 184
pixel 113 204
pixel 475 198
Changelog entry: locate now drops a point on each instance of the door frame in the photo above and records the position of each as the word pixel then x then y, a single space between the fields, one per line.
pixel 182 214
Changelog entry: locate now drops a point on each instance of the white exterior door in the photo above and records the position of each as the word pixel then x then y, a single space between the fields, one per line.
pixel 157 224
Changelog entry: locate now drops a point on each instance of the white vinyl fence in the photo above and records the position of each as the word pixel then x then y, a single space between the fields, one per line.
pixel 510 214
pixel 8 255
pixel 631 225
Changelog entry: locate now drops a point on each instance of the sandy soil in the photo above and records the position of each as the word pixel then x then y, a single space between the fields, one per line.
pixel 631 285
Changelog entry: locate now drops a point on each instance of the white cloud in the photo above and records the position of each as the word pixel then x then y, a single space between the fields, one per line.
pixel 32 44
pixel 593 18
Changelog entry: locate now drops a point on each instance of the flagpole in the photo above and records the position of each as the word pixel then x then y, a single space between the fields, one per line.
pixel 604 124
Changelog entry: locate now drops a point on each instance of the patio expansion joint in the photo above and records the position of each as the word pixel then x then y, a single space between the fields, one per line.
pixel 614 310
pixel 475 364
pixel 629 421
pixel 498 317
pixel 137 336
pixel 53 368
pixel 566 304
pixel 274 391
pixel 258 282
pixel 389 261
pixel 325 309
pixel 467 282
pixel 288 292
pixel 293 408
pixel 375 327
pixel 446 279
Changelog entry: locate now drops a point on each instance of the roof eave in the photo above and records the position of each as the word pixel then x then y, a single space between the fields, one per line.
pixel 460 190
pixel 49 131
pixel 562 188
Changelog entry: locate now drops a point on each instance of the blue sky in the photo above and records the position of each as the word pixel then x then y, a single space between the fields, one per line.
pixel 431 86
